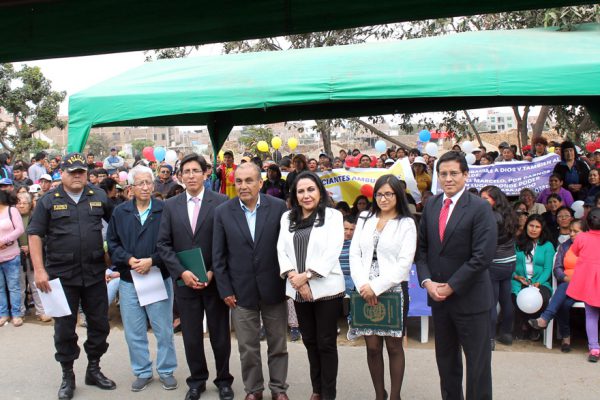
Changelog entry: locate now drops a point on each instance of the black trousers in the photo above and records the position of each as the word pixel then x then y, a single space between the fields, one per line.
pixel 502 294
pixel 94 301
pixel 191 312
pixel 318 325
pixel 471 332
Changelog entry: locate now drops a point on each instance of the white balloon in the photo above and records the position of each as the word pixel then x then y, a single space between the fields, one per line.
pixel 431 149
pixel 578 208
pixel 470 159
pixel 171 157
pixel 529 300
pixel 467 147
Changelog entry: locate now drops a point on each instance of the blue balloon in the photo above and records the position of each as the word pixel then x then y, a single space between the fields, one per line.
pixel 380 146
pixel 159 153
pixel 424 135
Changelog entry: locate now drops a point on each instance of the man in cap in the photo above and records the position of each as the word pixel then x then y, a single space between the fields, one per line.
pixel 388 163
pixel 6 184
pixel 225 175
pixel 164 181
pixel 478 154
pixel 67 224
pixel 45 184
pixel 113 162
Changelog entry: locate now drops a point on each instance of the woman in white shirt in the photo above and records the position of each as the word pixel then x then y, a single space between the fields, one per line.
pixel 310 241
pixel 381 254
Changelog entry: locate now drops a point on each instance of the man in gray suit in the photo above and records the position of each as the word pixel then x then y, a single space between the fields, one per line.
pixel 246 270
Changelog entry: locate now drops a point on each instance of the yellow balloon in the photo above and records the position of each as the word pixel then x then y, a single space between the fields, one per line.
pixel 550 149
pixel 262 146
pixel 292 143
pixel 220 155
pixel 276 142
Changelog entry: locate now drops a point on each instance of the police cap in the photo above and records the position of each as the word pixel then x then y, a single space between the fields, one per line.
pixel 74 162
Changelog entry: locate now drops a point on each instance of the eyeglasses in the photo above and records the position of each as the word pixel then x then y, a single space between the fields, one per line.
pixel 564 216
pixel 387 195
pixel 166 171
pixel 191 172
pixel 452 174
pixel 143 184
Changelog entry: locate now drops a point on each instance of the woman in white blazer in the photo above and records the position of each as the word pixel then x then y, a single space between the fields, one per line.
pixel 381 254
pixel 309 245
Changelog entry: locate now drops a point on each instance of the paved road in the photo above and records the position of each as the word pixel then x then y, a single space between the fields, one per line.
pixel 28 371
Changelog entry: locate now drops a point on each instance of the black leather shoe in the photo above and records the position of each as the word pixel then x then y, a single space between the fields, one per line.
pixel 67 386
pixel 225 393
pixel 94 377
pixel 194 394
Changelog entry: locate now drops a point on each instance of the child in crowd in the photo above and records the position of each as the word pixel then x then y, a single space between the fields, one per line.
pixel 586 279
pixel 553 203
pixel 349 226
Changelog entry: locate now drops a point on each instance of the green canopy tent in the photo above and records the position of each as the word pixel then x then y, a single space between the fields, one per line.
pixel 36 29
pixel 461 71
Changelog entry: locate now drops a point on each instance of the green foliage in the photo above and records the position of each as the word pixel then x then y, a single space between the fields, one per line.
pixel 27 97
pixel 139 144
pixel 251 135
pixel 98 145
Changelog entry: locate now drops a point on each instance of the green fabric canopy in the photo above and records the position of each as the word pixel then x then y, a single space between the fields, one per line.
pixel 37 29
pixel 461 71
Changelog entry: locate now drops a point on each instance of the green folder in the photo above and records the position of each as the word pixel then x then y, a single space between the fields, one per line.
pixel 386 314
pixel 192 260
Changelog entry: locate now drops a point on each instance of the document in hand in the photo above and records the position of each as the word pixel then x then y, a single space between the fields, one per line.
pixel 192 260
pixel 55 302
pixel 386 314
pixel 150 287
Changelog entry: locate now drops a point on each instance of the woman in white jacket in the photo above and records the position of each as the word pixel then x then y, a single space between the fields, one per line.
pixel 309 245
pixel 381 254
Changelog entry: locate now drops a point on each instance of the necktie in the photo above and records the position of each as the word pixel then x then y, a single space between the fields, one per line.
pixel 444 217
pixel 196 212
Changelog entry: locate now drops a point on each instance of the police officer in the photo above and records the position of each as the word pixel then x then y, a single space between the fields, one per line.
pixel 68 223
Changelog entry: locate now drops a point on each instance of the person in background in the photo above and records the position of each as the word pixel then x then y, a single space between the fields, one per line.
pixel 113 162
pixel 225 173
pixel 594 180
pixel 521 210
pixel 313 165
pixel 423 179
pixel 90 160
pixel 342 154
pixel 37 169
pixel 560 304
pixel 555 183
pixel 11 228
pixel 300 165
pixel 573 170
pixel 25 206
pixel 54 166
pixel 343 207
pixel 596 159
pixel 274 185
pixel 388 163
pixel 361 203
pixel 584 283
pixel 285 164
pixel 6 185
pixel 309 245
pixel 412 154
pixel 540 145
pixel 365 161
pixel 381 255
pixel 164 181
pixel 349 226
pixel 338 163
pixel 21 178
pixel 535 255
pixel 109 185
pixel 553 203
pixel 562 233
pixel 503 264
pixel 527 196
pixel 486 159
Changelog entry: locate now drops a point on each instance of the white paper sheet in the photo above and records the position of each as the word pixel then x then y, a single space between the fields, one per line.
pixel 55 302
pixel 149 287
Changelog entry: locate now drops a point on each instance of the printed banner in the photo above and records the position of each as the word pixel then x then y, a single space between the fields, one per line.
pixel 510 177
pixel 346 185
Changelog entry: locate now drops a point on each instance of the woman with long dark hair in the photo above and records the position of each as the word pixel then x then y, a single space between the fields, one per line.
pixel 309 245
pixel 535 255
pixel 381 254
pixel 361 203
pixel 300 165
pixel 503 264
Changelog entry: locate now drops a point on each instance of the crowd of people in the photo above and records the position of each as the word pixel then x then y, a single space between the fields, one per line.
pixel 281 256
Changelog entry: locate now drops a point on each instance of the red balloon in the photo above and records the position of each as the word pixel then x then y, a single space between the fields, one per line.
pixel 349 161
pixel 373 161
pixel 148 153
pixel 357 159
pixel 591 146
pixel 367 190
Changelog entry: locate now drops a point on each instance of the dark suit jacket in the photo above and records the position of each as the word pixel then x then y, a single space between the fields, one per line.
pixel 175 235
pixel 463 259
pixel 246 268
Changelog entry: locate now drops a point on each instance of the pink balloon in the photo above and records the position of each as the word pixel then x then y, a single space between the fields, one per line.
pixel 123 176
pixel 148 153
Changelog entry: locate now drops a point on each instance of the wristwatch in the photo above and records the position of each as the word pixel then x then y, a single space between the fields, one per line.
pixel 309 275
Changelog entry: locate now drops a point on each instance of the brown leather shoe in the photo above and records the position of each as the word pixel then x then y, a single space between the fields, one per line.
pixel 280 396
pixel 315 396
pixel 254 396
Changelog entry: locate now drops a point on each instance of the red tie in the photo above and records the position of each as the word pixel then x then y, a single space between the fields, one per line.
pixel 444 217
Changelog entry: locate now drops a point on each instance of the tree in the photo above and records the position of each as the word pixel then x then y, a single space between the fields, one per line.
pixel 98 145
pixel 251 135
pixel 31 104
pixel 139 144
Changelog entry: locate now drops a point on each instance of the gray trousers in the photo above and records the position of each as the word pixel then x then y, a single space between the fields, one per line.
pixel 246 323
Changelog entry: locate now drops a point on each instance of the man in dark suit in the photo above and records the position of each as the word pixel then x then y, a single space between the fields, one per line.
pixel 457 240
pixel 187 222
pixel 247 274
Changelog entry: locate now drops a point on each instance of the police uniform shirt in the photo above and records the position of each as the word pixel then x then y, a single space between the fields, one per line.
pixel 72 234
